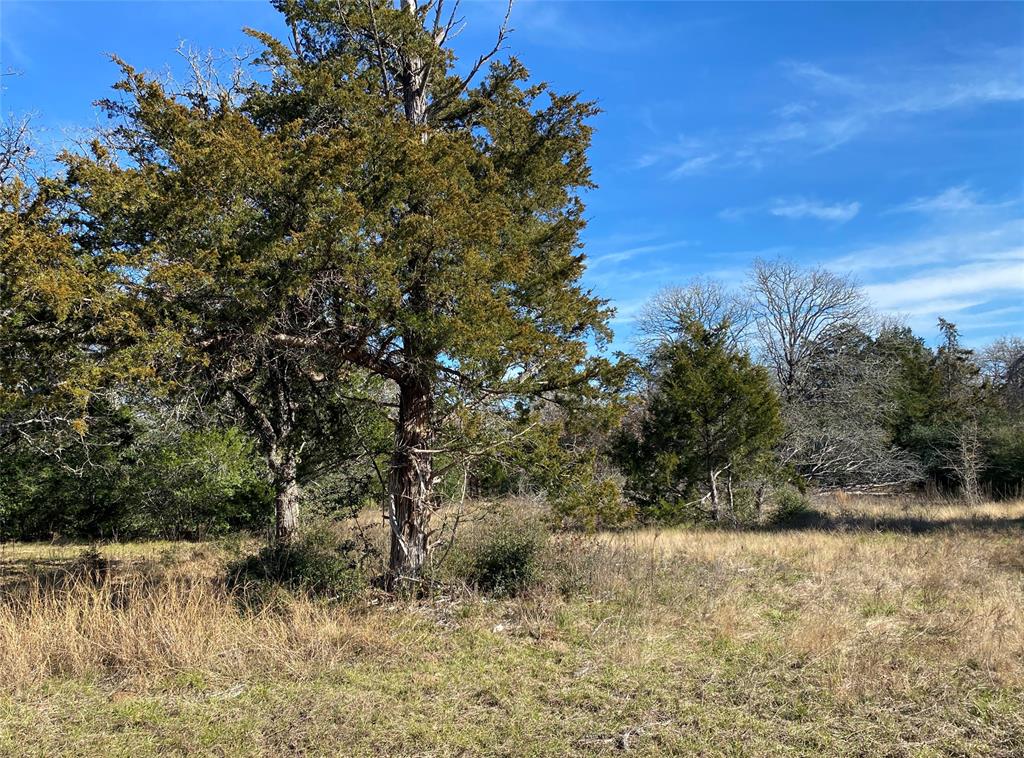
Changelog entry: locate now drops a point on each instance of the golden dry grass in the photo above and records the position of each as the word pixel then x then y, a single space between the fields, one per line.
pixel 944 583
pixel 886 628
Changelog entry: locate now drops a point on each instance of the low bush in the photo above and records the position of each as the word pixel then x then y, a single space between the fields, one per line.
pixel 791 508
pixel 91 566
pixel 317 563
pixel 506 558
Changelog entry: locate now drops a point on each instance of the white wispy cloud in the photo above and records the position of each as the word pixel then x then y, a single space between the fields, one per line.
pixel 801 208
pixel 951 200
pixel 973 274
pixel 856 104
pixel 982 325
pixel 998 242
pixel 929 290
pixel 837 107
pixel 685 155
pixel 563 26
pixel 822 80
pixel 695 165
pixel 958 199
pixel 628 253
pixel 796 208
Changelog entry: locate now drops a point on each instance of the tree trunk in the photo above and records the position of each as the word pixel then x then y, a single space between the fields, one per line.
pixel 413 84
pixel 732 501
pixel 273 432
pixel 411 478
pixel 713 477
pixel 969 468
pixel 410 483
pixel 286 498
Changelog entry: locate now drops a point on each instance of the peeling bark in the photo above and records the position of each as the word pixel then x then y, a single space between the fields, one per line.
pixel 411 483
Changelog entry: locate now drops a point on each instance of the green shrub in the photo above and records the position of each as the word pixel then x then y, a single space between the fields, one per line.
pixel 507 558
pixel 316 563
pixel 596 502
pixel 131 479
pixel 791 508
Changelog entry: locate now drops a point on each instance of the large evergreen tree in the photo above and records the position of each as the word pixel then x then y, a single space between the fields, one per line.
pixel 364 209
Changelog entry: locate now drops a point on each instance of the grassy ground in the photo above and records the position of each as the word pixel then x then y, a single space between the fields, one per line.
pixel 882 629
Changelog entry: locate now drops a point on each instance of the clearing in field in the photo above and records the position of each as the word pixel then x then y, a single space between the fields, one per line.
pixel 881 628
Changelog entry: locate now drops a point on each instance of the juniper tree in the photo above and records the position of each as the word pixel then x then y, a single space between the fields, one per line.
pixel 57 307
pixel 364 207
pixel 710 413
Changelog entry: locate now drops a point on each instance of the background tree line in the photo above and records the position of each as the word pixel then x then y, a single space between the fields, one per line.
pixel 348 273
pixel 792 382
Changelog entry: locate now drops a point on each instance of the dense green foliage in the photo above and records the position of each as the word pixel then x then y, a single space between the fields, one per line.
pixel 504 559
pixel 940 402
pixel 711 417
pixel 862 408
pixel 127 480
pixel 559 451
pixel 357 222
pixel 56 308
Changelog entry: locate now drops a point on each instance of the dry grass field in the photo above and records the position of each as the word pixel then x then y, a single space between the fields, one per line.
pixel 882 628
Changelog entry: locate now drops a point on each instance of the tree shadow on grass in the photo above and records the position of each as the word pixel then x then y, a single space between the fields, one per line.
pixel 89 566
pixel 896 523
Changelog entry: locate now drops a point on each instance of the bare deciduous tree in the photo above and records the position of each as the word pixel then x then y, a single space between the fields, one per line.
pixel 792 307
pixel 965 460
pixel 836 434
pixel 706 301
pixel 16 149
pixel 837 449
pixel 996 361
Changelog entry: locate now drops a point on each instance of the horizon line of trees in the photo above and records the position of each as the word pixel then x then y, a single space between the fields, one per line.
pixel 793 381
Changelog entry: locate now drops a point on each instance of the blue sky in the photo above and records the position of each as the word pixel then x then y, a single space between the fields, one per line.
pixel 883 140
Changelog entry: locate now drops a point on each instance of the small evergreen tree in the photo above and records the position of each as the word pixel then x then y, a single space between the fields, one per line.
pixel 711 415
